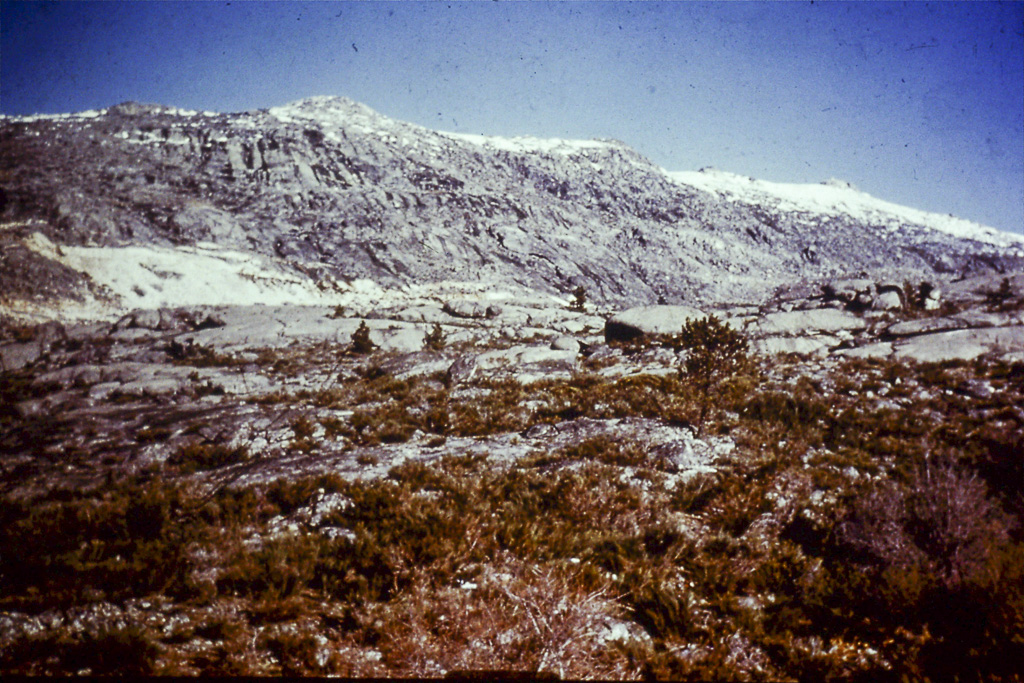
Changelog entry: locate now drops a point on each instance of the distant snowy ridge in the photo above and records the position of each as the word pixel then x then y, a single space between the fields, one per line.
pixel 331 113
pixel 528 144
pixel 29 118
pixel 834 198
pixel 340 112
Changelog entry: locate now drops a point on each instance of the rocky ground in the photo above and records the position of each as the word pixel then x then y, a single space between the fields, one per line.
pixel 686 532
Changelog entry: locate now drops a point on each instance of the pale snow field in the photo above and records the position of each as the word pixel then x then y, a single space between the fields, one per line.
pixel 835 198
pixel 88 114
pixel 333 112
pixel 152 277
pixel 526 144
pixel 205 274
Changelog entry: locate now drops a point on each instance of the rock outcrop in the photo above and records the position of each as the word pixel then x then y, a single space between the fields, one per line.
pixel 649 320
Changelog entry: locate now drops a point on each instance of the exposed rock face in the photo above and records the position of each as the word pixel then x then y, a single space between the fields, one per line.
pixel 326 191
pixel 230 367
pixel 649 320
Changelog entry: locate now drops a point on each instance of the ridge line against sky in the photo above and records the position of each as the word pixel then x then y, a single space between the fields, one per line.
pixel 917 103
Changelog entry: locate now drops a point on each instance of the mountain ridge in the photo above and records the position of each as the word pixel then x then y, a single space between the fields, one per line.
pixel 326 192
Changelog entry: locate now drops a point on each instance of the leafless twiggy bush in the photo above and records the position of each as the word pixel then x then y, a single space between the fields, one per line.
pixel 515 619
pixel 940 520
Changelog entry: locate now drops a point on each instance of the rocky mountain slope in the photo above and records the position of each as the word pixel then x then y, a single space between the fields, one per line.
pixel 142 206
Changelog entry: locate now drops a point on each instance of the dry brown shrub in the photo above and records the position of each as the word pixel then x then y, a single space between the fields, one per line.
pixel 515 619
pixel 941 521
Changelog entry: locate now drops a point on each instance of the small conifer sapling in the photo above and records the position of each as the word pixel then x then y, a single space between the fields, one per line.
pixel 579 299
pixel 361 342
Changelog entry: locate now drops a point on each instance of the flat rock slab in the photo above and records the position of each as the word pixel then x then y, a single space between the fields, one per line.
pixel 17 356
pixel 912 328
pixel 799 323
pixel 476 310
pixel 877 350
pixel 401 340
pixel 278 326
pixel 1006 342
pixel 649 320
pixel 976 289
pixel 421 314
pixel 967 319
pixel 803 345
pixel 529 363
pixel 962 344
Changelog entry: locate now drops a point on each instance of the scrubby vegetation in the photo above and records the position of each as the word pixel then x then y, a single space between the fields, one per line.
pixel 714 353
pixel 866 525
pixel 579 300
pixel 361 342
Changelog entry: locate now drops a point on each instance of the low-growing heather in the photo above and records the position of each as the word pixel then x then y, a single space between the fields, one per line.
pixel 867 525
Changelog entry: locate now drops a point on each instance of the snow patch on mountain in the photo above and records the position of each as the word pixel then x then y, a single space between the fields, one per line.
pixel 205 274
pixel 333 113
pixel 150 277
pixel 527 144
pixel 30 118
pixel 834 197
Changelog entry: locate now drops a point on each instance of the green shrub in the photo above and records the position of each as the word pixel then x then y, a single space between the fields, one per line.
pixel 940 521
pixel 435 339
pixel 128 651
pixel 715 353
pixel 361 342
pixel 280 568
pixel 595 449
pixel 198 456
pixel 579 300
pixel 127 541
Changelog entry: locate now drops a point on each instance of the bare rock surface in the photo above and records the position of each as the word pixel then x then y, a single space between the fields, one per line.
pixel 962 344
pixel 649 320
pixel 800 323
pixel 233 364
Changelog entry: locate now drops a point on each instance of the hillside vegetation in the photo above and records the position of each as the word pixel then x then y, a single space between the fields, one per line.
pixel 856 520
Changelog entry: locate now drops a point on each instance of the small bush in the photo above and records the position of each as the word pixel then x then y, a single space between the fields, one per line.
pixel 596 449
pixel 579 300
pixel 205 456
pixel 281 568
pixel 1002 297
pixel 128 651
pixel 941 521
pixel 435 339
pixel 361 342
pixel 129 540
pixel 715 352
pixel 532 622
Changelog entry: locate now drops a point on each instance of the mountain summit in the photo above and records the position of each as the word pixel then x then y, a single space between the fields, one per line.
pixel 146 205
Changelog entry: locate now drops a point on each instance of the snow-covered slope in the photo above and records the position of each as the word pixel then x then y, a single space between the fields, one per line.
pixel 836 197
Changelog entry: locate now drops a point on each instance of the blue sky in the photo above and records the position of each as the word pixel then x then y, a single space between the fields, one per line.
pixel 919 103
